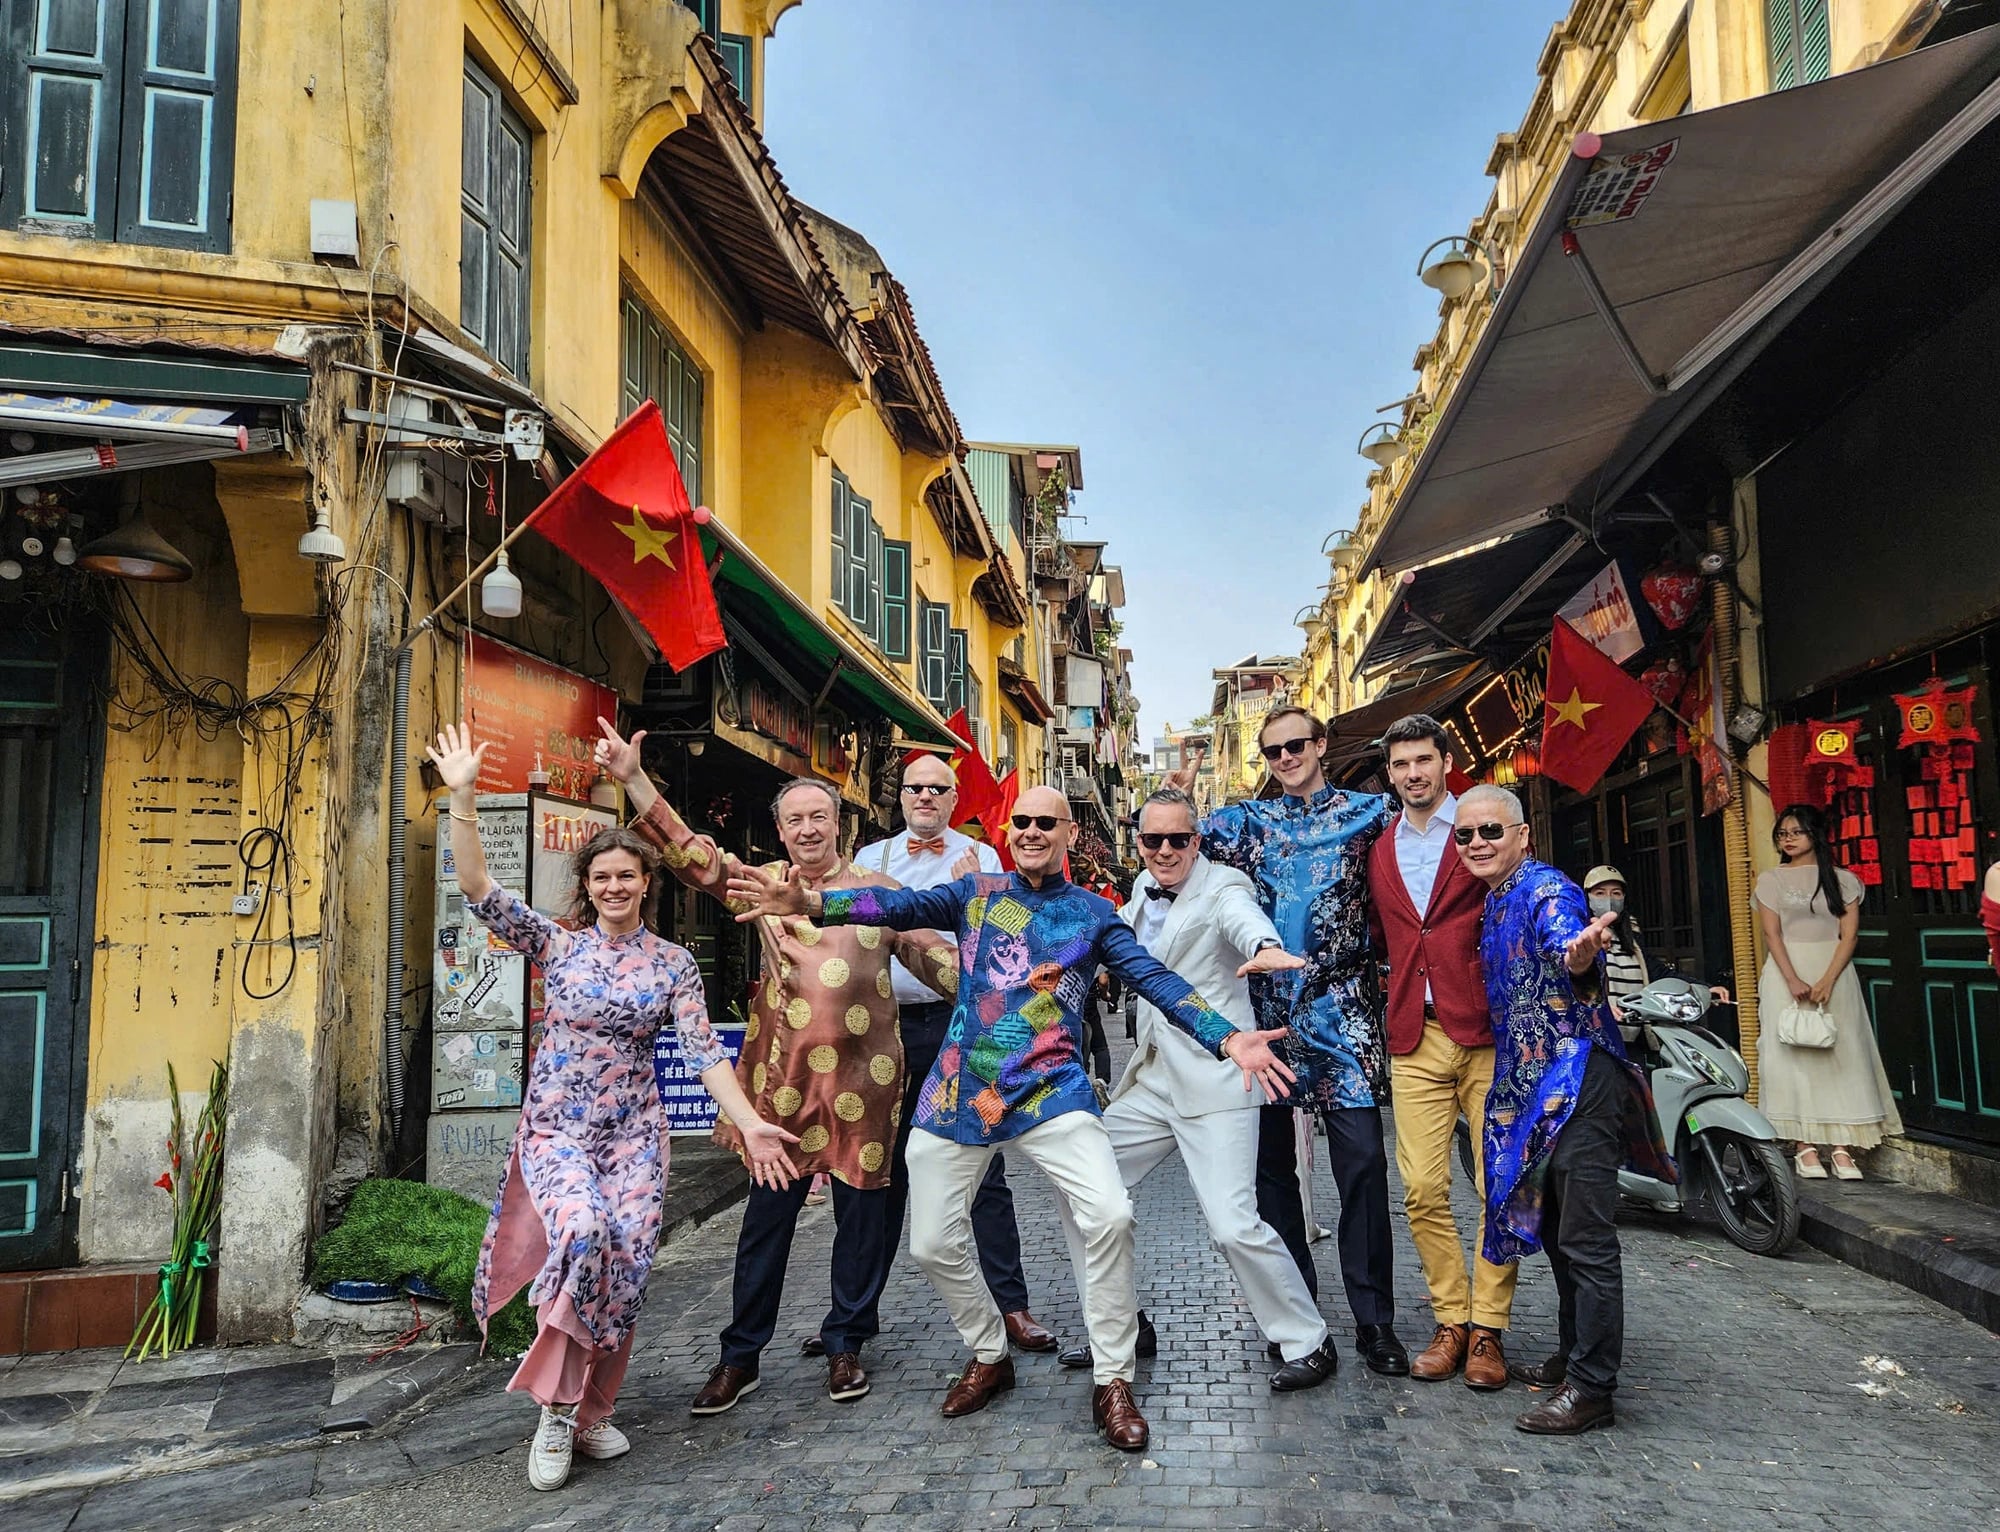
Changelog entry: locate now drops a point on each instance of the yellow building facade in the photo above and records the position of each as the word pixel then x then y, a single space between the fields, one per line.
pixel 486 218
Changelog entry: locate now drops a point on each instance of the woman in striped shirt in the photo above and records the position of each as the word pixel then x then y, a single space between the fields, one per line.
pixel 1625 971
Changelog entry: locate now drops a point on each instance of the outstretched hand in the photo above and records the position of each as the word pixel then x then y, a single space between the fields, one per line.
pixel 1270 960
pixel 1252 1053
pixel 456 758
pixel 755 892
pixel 1592 940
pixel 966 865
pixel 764 1147
pixel 618 756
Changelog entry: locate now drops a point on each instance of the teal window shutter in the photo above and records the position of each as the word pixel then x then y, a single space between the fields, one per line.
pixel 896 601
pixel 839 519
pixel 860 539
pixel 736 56
pixel 877 549
pixel 654 367
pixel 933 641
pixel 494 225
pixel 1815 41
pixel 1781 44
pixel 955 672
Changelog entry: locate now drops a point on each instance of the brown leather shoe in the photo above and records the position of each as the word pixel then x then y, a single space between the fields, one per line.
pixel 977 1386
pixel 1568 1413
pixel 1486 1362
pixel 1443 1356
pixel 1025 1333
pixel 1116 1414
pixel 844 1378
pixel 1545 1374
pixel 724 1387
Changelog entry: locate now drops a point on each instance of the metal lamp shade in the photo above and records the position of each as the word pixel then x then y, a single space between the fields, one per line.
pixel 136 552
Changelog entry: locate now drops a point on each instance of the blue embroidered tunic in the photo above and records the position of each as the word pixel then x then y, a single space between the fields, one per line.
pixel 1309 860
pixel 1545 1022
pixel 1011 1058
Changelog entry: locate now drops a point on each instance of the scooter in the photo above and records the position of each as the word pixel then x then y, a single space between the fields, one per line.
pixel 1726 1149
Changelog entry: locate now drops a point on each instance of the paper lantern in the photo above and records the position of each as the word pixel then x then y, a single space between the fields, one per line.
pixel 1527 762
pixel 1674 594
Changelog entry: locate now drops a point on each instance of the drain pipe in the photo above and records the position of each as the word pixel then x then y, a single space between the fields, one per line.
pixel 399 776
pixel 1736 823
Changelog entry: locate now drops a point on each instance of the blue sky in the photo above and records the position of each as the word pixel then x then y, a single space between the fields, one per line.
pixel 1185 243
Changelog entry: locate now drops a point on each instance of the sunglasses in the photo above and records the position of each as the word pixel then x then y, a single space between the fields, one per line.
pixel 1489 831
pixel 1180 840
pixel 1286 747
pixel 1039 821
pixel 935 789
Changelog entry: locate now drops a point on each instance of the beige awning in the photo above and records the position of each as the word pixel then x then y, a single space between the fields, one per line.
pixel 1657 270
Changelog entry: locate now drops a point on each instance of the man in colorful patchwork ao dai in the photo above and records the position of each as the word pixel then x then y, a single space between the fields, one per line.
pixel 1566 1109
pixel 1030 944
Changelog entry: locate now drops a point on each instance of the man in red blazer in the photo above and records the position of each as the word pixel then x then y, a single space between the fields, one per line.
pixel 1425 907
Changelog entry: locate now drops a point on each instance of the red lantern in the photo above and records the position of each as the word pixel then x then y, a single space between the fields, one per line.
pixel 1673 593
pixel 1527 762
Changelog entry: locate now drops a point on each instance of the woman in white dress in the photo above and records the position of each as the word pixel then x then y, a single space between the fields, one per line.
pixel 1810 909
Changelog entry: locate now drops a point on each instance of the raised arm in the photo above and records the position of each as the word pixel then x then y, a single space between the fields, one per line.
pixel 1566 934
pixel 694 859
pixel 506 914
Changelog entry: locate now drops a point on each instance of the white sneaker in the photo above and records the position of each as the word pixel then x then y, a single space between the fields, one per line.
pixel 603 1440
pixel 548 1458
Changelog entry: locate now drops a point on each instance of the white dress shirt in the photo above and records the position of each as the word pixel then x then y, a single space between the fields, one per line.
pixel 1152 916
pixel 1420 854
pixel 922 869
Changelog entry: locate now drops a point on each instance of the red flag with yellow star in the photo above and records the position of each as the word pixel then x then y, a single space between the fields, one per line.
pixel 624 516
pixel 1591 707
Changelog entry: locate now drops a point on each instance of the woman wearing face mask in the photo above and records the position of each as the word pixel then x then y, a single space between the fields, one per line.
pixel 1626 973
pixel 1810 909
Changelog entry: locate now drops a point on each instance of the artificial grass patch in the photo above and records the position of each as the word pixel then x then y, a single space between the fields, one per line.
pixel 397 1229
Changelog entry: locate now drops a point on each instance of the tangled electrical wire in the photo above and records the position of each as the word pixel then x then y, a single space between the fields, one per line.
pixel 281 722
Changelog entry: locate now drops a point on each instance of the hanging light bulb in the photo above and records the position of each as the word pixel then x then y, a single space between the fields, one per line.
pixel 136 552
pixel 10 569
pixel 21 441
pixel 500 591
pixel 64 552
pixel 28 494
pixel 320 542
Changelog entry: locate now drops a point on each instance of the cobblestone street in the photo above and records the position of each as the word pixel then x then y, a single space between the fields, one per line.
pixel 1742 1405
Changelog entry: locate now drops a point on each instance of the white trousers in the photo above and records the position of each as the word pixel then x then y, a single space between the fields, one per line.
pixel 1073 1151
pixel 1220 1152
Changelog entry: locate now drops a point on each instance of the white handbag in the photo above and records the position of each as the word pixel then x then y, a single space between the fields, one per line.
pixel 1805 1026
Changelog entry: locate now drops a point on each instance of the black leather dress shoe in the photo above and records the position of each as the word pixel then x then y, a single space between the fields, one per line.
pixel 1381 1350
pixel 1568 1413
pixel 1548 1374
pixel 1271 1350
pixel 1309 1371
pixel 812 1345
pixel 1148 1345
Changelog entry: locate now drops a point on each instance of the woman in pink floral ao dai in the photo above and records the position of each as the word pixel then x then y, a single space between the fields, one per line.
pixel 580 1204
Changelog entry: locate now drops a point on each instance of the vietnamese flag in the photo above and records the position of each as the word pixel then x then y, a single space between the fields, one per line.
pixel 978 792
pixel 995 820
pixel 624 516
pixel 1589 710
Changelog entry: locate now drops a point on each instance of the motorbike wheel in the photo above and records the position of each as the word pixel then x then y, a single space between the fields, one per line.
pixel 1749 1183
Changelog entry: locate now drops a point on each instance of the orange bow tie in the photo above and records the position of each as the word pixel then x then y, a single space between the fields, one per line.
pixel 935 843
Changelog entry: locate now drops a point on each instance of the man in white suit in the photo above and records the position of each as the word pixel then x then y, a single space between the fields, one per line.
pixel 1203 920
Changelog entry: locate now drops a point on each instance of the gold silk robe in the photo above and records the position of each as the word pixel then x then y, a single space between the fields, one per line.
pixel 822 1054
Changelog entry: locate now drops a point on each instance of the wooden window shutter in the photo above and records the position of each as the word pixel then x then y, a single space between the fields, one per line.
pixel 896 601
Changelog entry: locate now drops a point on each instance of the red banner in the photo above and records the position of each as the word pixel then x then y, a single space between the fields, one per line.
pixel 528 708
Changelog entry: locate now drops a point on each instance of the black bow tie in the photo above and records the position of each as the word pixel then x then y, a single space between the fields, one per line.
pixel 1154 891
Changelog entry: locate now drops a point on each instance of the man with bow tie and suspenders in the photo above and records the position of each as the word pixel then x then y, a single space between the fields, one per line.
pixel 926 853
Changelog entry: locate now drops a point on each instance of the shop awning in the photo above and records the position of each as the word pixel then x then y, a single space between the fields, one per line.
pixel 1676 253
pixel 1489 603
pixel 772 613
pixel 1352 751
pixel 46 366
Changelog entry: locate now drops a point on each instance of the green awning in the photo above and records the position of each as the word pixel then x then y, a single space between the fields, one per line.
pixel 863 686
pixel 65 367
